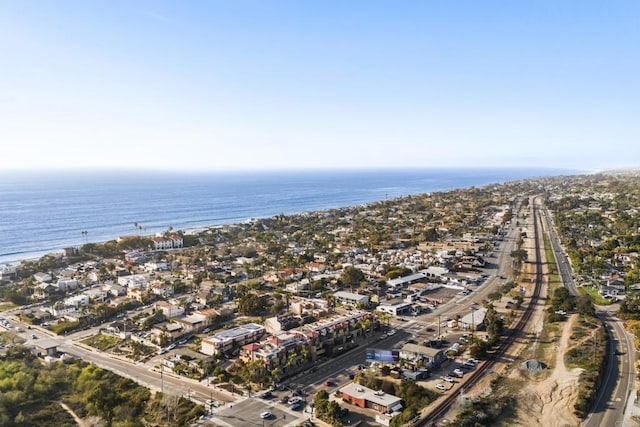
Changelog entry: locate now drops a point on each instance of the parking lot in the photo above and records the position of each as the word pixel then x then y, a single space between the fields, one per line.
pixel 247 413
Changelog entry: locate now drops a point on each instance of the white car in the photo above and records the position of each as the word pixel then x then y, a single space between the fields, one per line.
pixel 459 372
pixel 442 387
pixel 448 379
pixel 266 414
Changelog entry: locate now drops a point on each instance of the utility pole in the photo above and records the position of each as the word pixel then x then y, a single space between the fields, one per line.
pixel 473 323
pixel 439 326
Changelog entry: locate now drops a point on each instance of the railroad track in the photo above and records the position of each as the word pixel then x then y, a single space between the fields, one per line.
pixel 506 342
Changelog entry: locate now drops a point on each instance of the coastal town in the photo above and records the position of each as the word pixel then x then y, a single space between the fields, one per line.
pixel 366 315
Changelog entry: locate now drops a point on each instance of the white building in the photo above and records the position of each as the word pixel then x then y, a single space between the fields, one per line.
pixel 42 277
pixel 171 241
pixel 398 309
pixel 7 272
pixel 401 282
pixel 134 280
pixel 65 285
pixel 350 298
pixel 156 266
pixel 76 301
pixel 232 339
pixel 170 310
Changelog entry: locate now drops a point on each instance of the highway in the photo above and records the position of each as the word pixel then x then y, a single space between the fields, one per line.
pixel 613 395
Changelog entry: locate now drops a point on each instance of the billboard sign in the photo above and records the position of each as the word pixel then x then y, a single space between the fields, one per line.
pixel 382 355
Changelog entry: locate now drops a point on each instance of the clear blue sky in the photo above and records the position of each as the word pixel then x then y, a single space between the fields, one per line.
pixel 291 84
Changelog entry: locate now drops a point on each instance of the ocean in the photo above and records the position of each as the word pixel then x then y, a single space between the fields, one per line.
pixel 47 211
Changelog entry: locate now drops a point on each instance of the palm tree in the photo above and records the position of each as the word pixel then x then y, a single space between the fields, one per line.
pixel 384 317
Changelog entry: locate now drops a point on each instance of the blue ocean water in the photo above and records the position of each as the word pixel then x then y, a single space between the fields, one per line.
pixel 45 212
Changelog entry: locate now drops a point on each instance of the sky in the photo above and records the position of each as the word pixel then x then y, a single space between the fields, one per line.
pixel 234 85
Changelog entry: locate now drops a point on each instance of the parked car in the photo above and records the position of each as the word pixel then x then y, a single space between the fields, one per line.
pixel 285 399
pixel 442 387
pixel 458 372
pixel 329 383
pixel 295 400
pixel 448 379
pixel 266 395
pixel 296 406
pixel 266 414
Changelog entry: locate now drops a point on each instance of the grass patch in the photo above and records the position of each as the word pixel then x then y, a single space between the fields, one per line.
pixel 63 327
pixel 545 347
pixel 552 268
pixel 595 296
pixel 7 305
pixel 588 353
pixel 102 342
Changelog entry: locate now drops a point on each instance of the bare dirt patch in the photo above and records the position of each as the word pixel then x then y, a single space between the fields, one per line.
pixel 550 401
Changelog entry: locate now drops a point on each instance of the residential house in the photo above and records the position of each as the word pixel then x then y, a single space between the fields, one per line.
pixel 42 277
pixel 168 309
pixel 613 288
pixel 300 287
pixel 96 294
pixel 114 289
pixel 7 272
pixel 152 266
pixel 163 290
pixel 66 285
pixel 133 280
pixel 44 290
pixel 77 301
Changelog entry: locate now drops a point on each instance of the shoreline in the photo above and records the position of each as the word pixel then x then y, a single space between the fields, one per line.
pixel 17 259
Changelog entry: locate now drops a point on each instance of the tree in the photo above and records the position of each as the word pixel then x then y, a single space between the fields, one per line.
pixel 250 304
pixel 352 276
pixel 479 349
pixel 494 323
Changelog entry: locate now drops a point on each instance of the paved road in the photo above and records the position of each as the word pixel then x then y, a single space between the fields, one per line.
pixel 613 394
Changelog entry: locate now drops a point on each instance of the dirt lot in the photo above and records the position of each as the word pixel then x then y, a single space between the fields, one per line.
pixel 549 401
